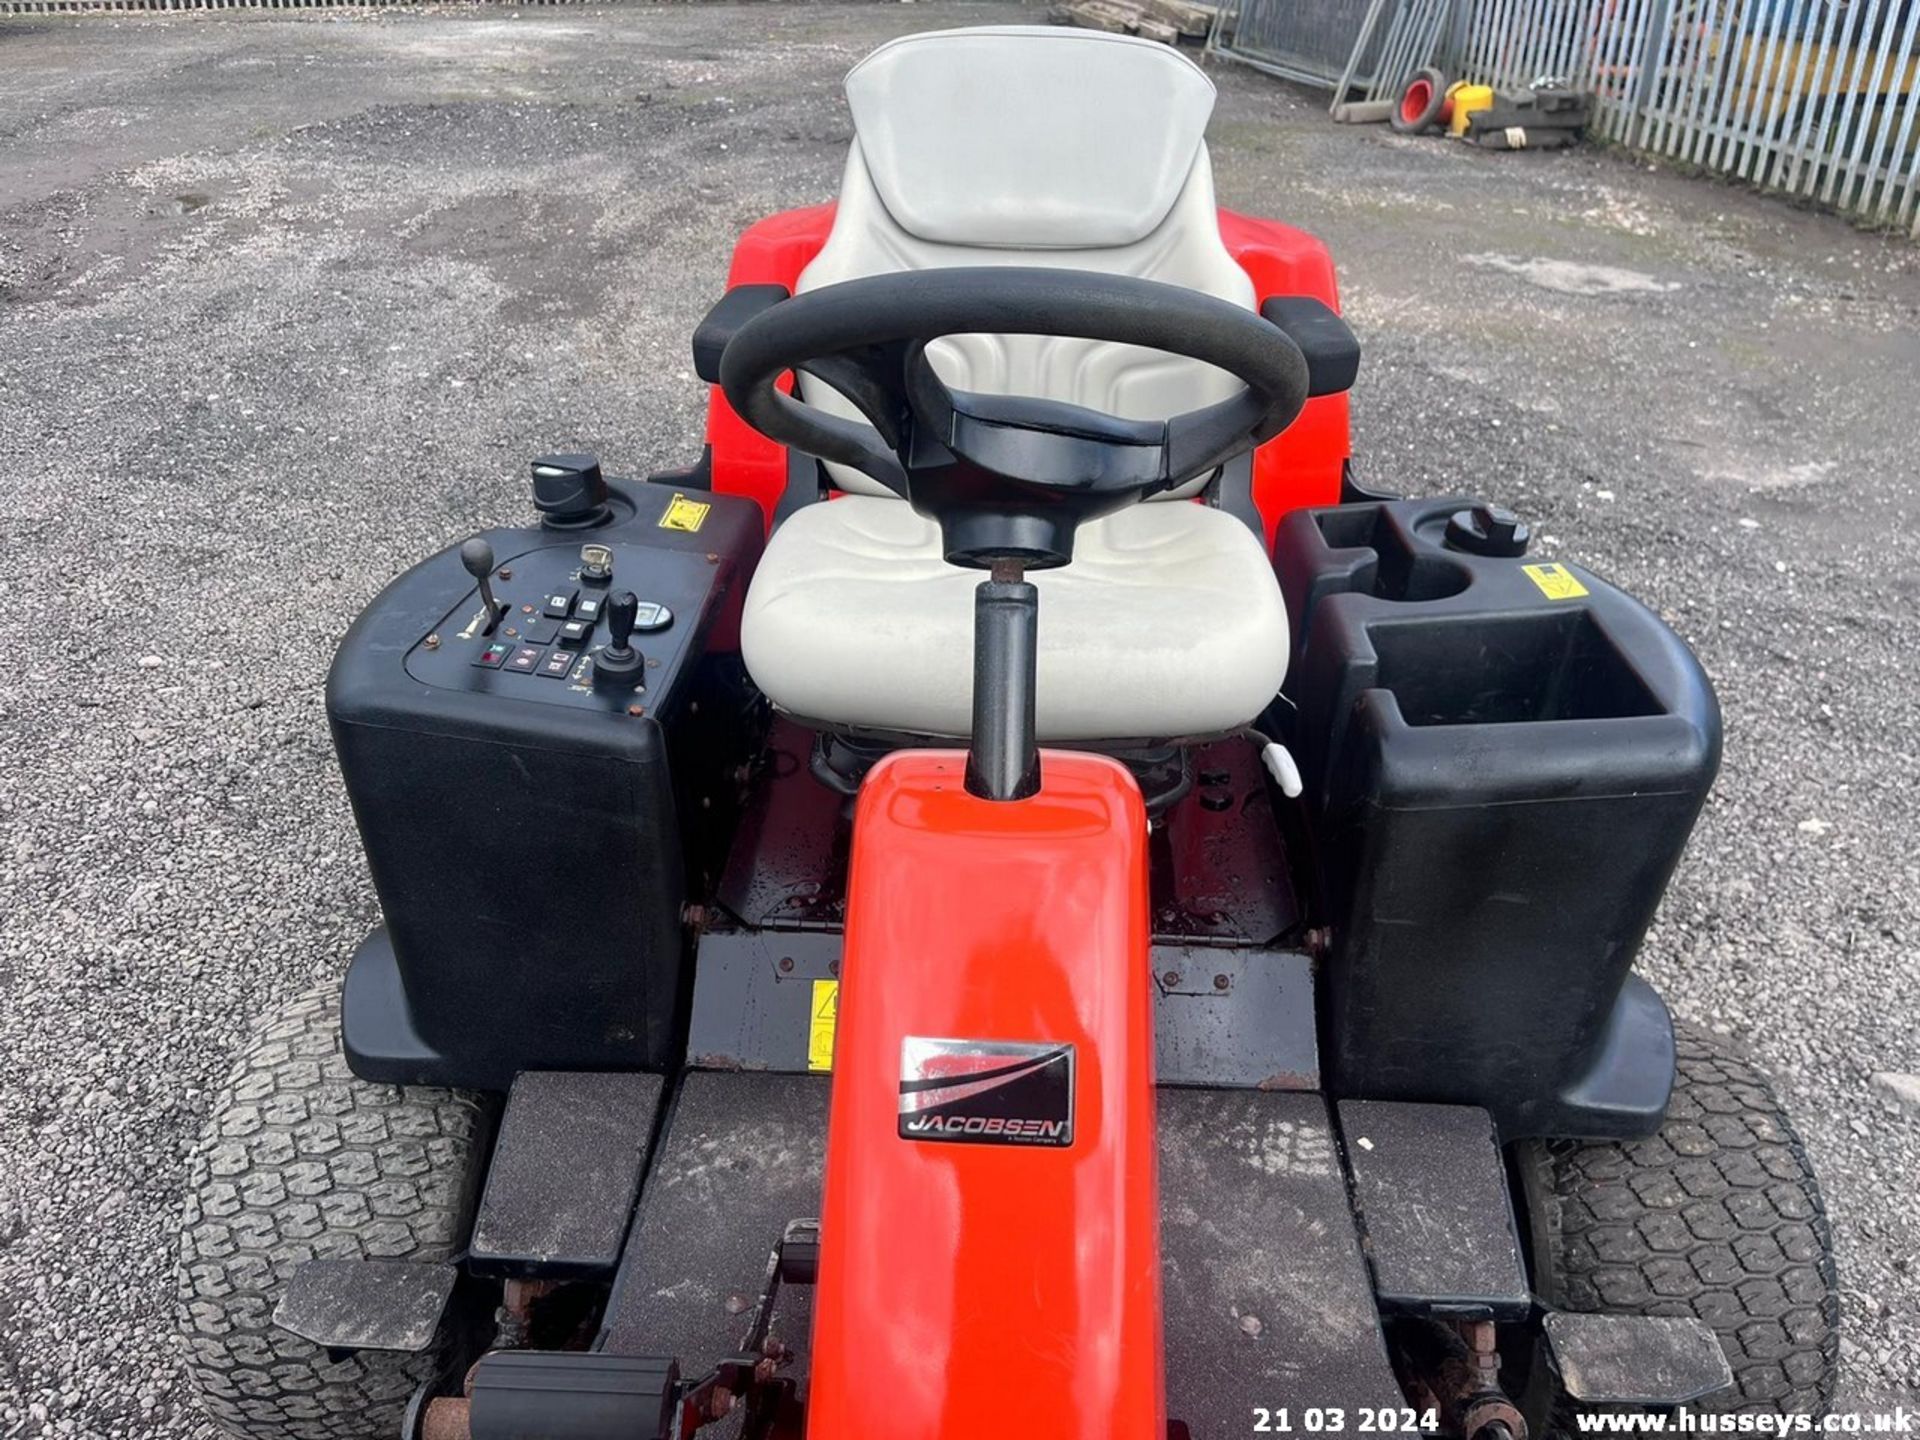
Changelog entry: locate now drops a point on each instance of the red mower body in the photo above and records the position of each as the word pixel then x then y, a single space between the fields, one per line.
pixel 1300 467
pixel 984 1274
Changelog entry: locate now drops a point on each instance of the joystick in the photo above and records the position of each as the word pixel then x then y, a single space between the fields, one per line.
pixel 619 662
pixel 477 556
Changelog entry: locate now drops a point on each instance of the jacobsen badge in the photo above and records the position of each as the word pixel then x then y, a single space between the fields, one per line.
pixel 986 1092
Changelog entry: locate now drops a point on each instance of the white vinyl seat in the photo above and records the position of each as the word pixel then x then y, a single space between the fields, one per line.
pixel 1013 145
pixel 1162 627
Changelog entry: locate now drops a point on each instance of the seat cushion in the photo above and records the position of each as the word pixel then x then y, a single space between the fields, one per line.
pixel 1168 624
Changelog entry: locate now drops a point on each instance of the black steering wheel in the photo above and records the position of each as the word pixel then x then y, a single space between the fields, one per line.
pixel 1008 478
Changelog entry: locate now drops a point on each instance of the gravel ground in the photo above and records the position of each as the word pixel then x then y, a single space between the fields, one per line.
pixel 286 302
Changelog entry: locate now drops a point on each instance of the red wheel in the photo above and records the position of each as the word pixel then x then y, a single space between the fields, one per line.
pixel 1421 102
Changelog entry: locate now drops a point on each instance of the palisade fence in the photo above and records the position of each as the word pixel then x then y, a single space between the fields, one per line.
pixel 1819 99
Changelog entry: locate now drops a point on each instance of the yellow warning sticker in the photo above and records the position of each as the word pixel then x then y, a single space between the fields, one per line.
pixel 822 1017
pixel 685 514
pixel 1556 582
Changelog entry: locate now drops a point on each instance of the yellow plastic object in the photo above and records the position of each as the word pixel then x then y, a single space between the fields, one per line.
pixel 1466 100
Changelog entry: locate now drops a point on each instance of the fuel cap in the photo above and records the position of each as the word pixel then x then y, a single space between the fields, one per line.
pixel 1488 530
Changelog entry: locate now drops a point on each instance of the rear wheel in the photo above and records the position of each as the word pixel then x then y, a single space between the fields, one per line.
pixel 302 1161
pixel 1718 1217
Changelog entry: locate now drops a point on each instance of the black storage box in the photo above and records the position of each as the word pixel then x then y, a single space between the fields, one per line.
pixel 1504 757
pixel 530 833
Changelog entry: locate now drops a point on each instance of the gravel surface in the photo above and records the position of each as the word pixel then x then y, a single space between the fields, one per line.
pixel 285 303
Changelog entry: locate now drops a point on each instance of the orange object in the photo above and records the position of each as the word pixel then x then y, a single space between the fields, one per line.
pixel 977 1290
pixel 1304 463
pixel 1417 98
pixel 772 251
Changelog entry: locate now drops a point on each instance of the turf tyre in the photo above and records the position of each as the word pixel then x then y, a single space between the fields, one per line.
pixel 1717 1216
pixel 301 1160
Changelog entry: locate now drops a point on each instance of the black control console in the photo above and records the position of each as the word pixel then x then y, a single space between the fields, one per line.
pixel 540 731
pixel 593 625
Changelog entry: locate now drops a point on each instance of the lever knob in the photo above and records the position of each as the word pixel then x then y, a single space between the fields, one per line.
pixel 477 556
pixel 619 662
pixel 623 610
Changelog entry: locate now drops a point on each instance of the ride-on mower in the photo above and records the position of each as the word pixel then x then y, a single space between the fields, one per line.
pixel 1011 898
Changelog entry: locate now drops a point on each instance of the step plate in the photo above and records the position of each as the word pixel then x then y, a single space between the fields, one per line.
pixel 743 1155
pixel 367 1304
pixel 1268 1302
pixel 565 1174
pixel 1432 1194
pixel 1637 1359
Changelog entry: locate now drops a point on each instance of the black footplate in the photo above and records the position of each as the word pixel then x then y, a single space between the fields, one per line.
pixel 565 1174
pixel 743 1155
pixel 1268 1304
pixel 572 1395
pixel 366 1304
pixel 1637 1359
pixel 1431 1191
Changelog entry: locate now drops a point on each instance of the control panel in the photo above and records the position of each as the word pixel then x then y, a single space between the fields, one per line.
pixel 596 625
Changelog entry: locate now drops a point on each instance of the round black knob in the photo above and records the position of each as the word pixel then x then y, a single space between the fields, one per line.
pixel 1488 530
pixel 569 491
pixel 477 556
pixel 619 662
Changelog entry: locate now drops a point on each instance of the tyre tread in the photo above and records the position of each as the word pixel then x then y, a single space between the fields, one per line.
pixel 301 1160
pixel 1717 1216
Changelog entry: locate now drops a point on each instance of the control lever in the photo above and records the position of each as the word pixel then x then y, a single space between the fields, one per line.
pixel 619 662
pixel 477 556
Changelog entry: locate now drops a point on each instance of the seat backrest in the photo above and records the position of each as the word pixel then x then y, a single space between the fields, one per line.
pixel 1034 145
